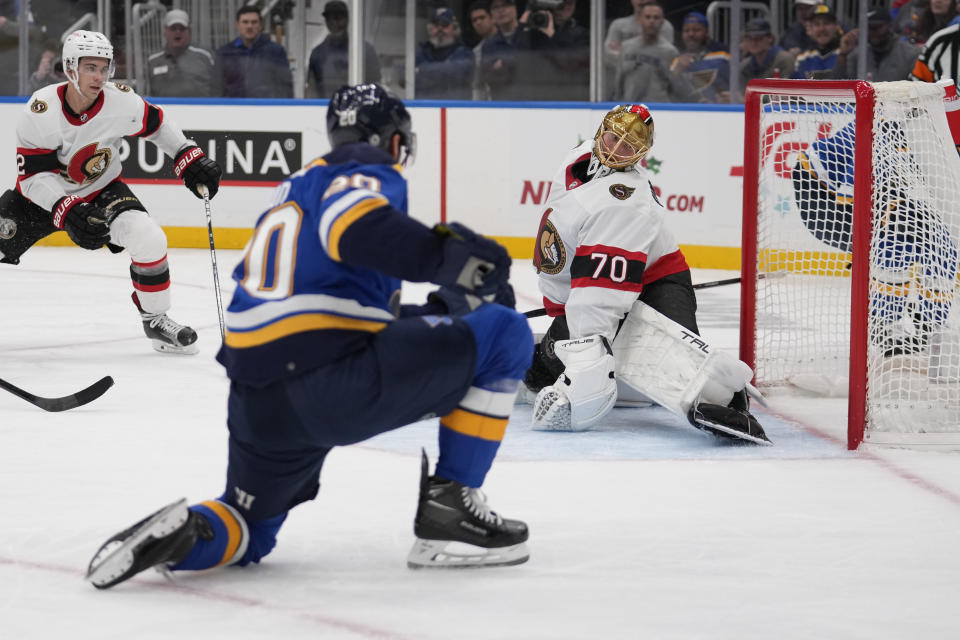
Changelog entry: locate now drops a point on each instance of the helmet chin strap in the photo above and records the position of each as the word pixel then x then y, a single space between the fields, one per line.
pixel 75 80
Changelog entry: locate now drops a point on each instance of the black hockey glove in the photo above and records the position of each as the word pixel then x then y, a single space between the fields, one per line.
pixel 86 224
pixel 195 169
pixel 458 302
pixel 471 262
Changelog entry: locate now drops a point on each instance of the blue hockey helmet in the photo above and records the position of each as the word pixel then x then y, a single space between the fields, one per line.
pixel 369 113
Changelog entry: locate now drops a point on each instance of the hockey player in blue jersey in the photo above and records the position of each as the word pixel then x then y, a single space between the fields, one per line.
pixel 321 354
pixel 911 245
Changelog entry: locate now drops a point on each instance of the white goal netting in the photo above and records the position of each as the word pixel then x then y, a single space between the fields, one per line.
pixel 805 237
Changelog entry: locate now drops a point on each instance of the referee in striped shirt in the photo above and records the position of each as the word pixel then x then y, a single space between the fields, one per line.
pixel 939 60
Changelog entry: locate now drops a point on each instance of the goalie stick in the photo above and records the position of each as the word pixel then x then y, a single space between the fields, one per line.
pixel 63 403
pixel 536 313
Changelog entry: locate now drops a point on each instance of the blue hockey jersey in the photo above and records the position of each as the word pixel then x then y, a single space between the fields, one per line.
pixel 831 160
pixel 322 272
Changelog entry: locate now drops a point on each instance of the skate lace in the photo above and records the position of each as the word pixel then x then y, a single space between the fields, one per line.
pixel 476 501
pixel 165 324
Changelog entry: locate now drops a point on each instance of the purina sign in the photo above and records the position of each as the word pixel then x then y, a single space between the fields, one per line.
pixel 245 156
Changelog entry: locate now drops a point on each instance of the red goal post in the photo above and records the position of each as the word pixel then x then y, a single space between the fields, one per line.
pixel 865 255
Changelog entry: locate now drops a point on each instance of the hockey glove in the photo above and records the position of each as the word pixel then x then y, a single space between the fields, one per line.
pixel 86 224
pixel 459 303
pixel 470 261
pixel 195 169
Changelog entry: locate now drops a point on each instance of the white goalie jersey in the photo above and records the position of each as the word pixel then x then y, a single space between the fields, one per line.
pixel 62 153
pixel 601 239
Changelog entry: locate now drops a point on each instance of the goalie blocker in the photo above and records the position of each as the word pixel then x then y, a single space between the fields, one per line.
pixel 656 358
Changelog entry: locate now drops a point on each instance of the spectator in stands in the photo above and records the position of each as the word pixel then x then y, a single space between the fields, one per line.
pixel 795 39
pixel 764 59
pixel 631 26
pixel 10 47
pixel 889 57
pixel 502 52
pixel 49 70
pixel 623 29
pixel 327 71
pixel 704 63
pixel 179 69
pixel 936 15
pixel 557 62
pixel 483 26
pixel 818 61
pixel 444 64
pixel 643 74
pixel 253 66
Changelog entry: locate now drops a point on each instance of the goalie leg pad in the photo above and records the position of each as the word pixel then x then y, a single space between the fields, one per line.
pixel 673 366
pixel 586 390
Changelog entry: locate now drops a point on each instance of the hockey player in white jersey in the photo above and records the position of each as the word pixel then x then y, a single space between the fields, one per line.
pixel 619 290
pixel 68 177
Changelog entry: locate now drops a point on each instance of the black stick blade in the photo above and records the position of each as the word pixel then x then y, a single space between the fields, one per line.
pixel 63 403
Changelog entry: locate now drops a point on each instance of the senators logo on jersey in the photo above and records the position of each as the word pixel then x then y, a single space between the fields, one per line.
pixel 621 191
pixel 550 255
pixel 38 106
pixel 87 165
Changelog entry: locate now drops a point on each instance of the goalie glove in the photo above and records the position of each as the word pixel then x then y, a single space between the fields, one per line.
pixel 733 421
pixel 195 169
pixel 585 391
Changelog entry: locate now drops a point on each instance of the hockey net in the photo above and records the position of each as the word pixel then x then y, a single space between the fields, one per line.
pixel 851 222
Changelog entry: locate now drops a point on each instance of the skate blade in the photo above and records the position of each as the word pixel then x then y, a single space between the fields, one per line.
pixel 449 554
pixel 163 347
pixel 118 554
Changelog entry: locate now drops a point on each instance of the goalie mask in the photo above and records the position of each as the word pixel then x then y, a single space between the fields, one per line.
pixel 369 113
pixel 624 137
pixel 85 44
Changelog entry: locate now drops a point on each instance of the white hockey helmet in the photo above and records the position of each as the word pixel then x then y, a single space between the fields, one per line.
pixel 85 44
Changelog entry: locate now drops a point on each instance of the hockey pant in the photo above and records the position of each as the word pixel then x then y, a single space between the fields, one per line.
pixel 464 369
pixel 23 224
pixel 673 296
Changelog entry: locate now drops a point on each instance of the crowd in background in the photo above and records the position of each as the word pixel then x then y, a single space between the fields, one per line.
pixel 653 50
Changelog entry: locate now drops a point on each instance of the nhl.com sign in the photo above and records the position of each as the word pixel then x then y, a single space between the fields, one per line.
pixel 254 158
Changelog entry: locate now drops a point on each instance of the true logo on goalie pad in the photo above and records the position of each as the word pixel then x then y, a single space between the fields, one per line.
pixel 621 191
pixel 550 256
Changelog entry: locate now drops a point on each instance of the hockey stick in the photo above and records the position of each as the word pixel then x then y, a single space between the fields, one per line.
pixel 64 403
pixel 213 256
pixel 536 313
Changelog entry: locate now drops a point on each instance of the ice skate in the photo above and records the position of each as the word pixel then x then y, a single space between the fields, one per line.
pixel 167 335
pixel 163 538
pixel 456 529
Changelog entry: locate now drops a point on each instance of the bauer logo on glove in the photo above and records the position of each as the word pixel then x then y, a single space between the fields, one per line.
pixel 195 169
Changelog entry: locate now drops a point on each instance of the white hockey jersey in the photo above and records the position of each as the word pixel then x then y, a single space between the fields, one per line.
pixel 61 153
pixel 601 239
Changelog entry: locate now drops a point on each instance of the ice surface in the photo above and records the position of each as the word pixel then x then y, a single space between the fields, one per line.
pixel 643 528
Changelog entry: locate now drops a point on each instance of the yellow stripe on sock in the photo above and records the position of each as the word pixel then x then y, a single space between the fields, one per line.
pixel 472 424
pixel 234 531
